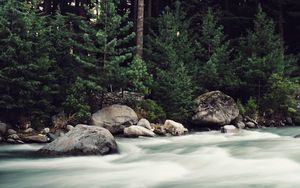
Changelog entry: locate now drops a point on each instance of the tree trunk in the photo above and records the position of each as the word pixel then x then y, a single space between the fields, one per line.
pixel 140 28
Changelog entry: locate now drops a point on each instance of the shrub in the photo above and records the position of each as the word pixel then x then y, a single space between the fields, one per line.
pixel 150 110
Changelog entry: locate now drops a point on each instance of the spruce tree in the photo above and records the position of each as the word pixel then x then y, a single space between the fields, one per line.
pixel 173 86
pixel 113 38
pixel 261 55
pixel 27 82
pixel 214 68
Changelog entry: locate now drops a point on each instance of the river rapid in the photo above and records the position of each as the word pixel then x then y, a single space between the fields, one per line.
pixel 267 158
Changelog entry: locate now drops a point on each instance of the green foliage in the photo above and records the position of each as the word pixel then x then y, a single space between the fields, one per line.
pixel 138 77
pixel 113 39
pixel 250 108
pixel 280 95
pixel 27 81
pixel 261 55
pixel 77 102
pixel 150 110
pixel 172 85
pixel 214 69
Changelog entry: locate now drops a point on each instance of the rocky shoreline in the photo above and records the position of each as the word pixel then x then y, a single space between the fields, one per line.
pixel 215 110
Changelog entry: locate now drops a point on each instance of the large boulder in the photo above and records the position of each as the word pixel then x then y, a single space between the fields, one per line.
pixel 3 128
pixel 216 109
pixel 174 128
pixel 83 140
pixel 136 131
pixel 115 118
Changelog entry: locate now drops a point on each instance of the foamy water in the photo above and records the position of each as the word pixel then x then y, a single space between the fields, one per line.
pixel 263 159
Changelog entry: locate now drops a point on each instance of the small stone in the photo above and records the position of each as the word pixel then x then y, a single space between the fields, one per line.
pixel 40 138
pixel 136 131
pixel 14 136
pixel 11 131
pixel 29 130
pixel 144 123
pixel 174 128
pixel 229 129
pixel 250 125
pixel 11 141
pixel 46 130
pixel 241 125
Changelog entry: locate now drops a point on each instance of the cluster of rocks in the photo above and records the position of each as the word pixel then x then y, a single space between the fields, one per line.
pixel 121 119
pixel 216 110
pixel 28 135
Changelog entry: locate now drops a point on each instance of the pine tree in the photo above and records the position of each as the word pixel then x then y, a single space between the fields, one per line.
pixel 27 82
pixel 113 42
pixel 214 69
pixel 173 86
pixel 261 55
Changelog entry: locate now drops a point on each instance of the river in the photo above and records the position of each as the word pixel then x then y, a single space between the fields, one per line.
pixel 267 158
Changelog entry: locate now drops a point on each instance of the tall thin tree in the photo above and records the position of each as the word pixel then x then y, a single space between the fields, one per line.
pixel 140 28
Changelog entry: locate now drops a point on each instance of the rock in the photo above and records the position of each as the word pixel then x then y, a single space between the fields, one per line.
pixel 289 120
pixel 176 129
pixel 136 131
pixel 11 131
pixel 83 140
pixel 144 123
pixel 14 136
pixel 40 138
pixel 115 118
pixel 250 125
pixel 11 141
pixel 1 139
pixel 297 136
pixel 215 108
pixel 29 130
pixel 160 131
pixel 229 129
pixel 3 128
pixel 70 127
pixel 46 130
pixel 241 125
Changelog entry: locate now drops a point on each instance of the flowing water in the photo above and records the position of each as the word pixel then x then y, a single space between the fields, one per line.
pixel 263 158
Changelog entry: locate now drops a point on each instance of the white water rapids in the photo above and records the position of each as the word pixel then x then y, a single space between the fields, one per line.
pixel 263 159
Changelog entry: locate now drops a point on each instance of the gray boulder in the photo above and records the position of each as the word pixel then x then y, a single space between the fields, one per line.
pixel 3 128
pixel 83 140
pixel 174 128
pixel 250 125
pixel 11 131
pixel 115 118
pixel 241 125
pixel 12 141
pixel 40 138
pixel 14 136
pixel 230 129
pixel 136 131
pixel 144 123
pixel 215 108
